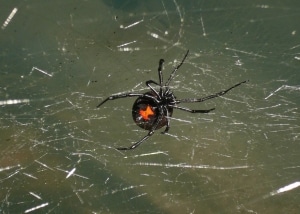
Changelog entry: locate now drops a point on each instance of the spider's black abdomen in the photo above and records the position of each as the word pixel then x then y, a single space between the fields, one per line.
pixel 145 112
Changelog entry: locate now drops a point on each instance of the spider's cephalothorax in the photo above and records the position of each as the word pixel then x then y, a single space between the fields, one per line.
pixel 152 110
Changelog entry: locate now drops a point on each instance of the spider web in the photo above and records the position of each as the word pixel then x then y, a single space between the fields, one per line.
pixel 60 59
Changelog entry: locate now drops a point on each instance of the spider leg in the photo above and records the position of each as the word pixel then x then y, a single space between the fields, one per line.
pixel 221 93
pixel 160 67
pixel 167 127
pixel 124 95
pixel 176 68
pixel 168 122
pixel 152 89
pixel 151 82
pixel 151 132
pixel 192 110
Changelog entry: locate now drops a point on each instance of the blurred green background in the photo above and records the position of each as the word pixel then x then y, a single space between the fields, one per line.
pixel 59 59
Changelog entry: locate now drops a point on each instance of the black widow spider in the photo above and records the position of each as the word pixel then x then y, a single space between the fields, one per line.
pixel 152 110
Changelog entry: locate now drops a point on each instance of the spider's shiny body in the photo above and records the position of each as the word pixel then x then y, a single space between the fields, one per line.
pixel 152 110
pixel 145 111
